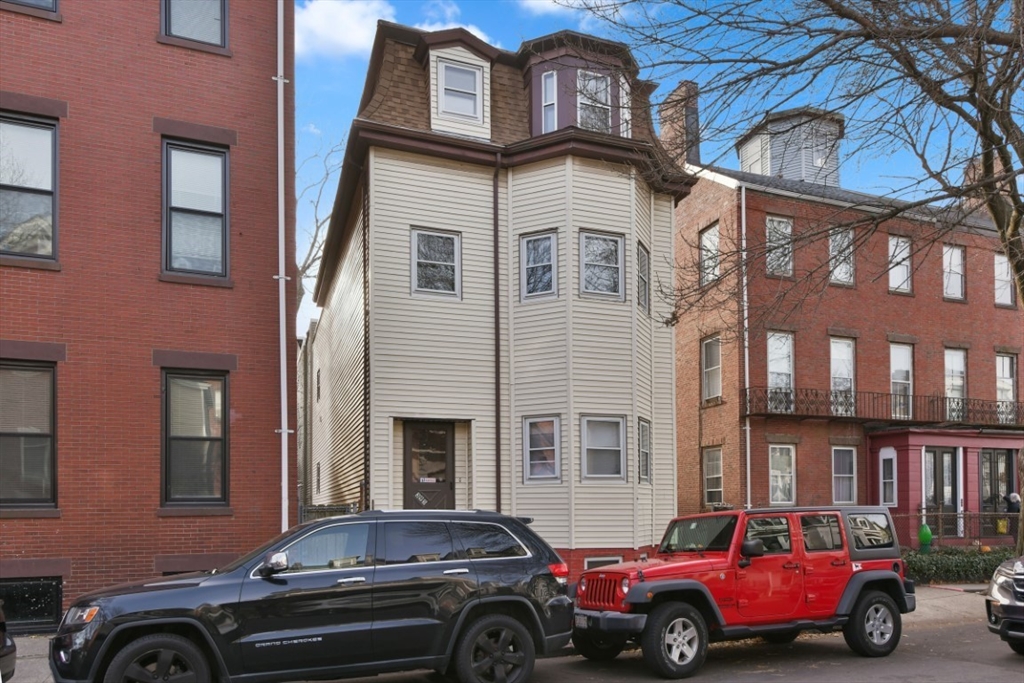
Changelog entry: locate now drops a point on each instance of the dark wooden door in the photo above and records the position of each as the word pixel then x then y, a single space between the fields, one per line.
pixel 429 456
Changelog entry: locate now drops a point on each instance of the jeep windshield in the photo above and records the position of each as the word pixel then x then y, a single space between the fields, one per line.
pixel 697 534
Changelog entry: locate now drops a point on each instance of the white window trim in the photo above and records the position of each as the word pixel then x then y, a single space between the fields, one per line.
pixel 611 559
pixel 643 280
pixel 621 294
pixel 704 473
pixel 948 273
pixel 544 104
pixel 580 97
pixel 792 452
pixel 625 108
pixel 705 369
pixel 1005 408
pixel 790 404
pixel 413 260
pixel 621 421
pixel 557 476
pixel 1001 265
pixel 835 256
pixel 524 296
pixel 640 427
pixel 910 392
pixel 884 455
pixel 838 409
pixel 770 249
pixel 456 116
pixel 834 475
pixel 907 285
pixel 706 277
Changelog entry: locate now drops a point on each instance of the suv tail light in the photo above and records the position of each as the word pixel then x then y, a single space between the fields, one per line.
pixel 560 570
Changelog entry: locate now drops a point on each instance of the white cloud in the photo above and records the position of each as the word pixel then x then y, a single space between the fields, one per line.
pixel 442 14
pixel 545 7
pixel 338 28
pixel 311 128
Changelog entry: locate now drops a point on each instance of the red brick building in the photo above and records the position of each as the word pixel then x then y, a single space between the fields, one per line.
pixel 146 221
pixel 842 361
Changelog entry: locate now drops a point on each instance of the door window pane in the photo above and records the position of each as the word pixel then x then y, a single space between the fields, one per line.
pixel 406 542
pixel 335 547
pixel 821 532
pixel 773 532
pixel 429 454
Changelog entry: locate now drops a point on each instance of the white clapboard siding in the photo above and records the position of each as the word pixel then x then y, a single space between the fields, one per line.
pixel 663 440
pixel 338 418
pixel 449 123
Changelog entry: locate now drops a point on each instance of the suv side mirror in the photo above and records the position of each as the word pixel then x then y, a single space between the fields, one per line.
pixel 752 547
pixel 274 562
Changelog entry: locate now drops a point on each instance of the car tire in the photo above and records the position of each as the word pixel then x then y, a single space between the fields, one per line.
pixel 159 656
pixel 597 646
pixel 781 638
pixel 495 648
pixel 875 625
pixel 675 640
pixel 1017 646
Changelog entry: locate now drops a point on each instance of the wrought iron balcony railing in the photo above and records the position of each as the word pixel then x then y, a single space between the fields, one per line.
pixel 868 405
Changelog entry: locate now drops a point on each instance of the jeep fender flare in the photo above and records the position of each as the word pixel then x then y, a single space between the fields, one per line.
pixel 860 579
pixel 496 600
pixel 638 594
pixel 218 660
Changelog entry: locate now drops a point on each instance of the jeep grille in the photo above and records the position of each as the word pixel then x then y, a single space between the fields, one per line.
pixel 601 593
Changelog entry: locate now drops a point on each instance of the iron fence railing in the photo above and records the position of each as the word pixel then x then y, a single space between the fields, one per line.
pixel 958 528
pixel 869 405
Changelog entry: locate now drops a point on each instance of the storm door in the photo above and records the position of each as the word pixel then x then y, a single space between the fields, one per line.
pixel 429 456
pixel 942 491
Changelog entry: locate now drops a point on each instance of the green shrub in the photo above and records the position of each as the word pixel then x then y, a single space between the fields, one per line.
pixel 954 565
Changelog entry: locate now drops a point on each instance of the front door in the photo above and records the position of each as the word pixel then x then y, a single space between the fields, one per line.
pixel 429 456
pixel 996 482
pixel 941 490
pixel 772 586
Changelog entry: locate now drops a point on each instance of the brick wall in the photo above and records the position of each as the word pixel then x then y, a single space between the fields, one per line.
pixel 110 308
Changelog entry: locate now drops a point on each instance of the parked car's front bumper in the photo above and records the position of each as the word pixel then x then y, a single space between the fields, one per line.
pixel 609 622
pixel 1005 620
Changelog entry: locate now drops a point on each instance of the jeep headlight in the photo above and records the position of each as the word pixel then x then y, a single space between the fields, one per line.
pixel 625 585
pixel 80 615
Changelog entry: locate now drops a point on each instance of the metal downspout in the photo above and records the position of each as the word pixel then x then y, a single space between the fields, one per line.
pixel 282 277
pixel 746 330
pixel 497 338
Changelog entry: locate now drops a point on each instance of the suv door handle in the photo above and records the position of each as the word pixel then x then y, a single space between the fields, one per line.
pixel 838 563
pixel 456 571
pixel 791 565
pixel 352 579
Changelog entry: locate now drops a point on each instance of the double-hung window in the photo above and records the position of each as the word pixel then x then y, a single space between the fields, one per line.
pixel 780 372
pixel 844 476
pixel 643 278
pixel 541 449
pixel 643 437
pixel 1006 388
pixel 840 256
pixel 601 263
pixel 779 248
pixel 604 451
pixel 549 101
pixel 538 255
pixel 199 20
pixel 27 472
pixel 901 369
pixel 709 255
pixel 713 488
pixel 460 90
pixel 887 477
pixel 843 402
pixel 711 367
pixel 1003 281
pixel 782 474
pixel 899 264
pixel 956 384
pixel 195 437
pixel 952 272
pixel 28 181
pixel 436 258
pixel 595 103
pixel 195 209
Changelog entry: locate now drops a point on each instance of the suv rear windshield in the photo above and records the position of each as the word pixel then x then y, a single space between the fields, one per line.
pixel 698 534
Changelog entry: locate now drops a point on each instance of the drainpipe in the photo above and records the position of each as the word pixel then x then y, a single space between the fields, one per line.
pixel 281 277
pixel 497 339
pixel 746 329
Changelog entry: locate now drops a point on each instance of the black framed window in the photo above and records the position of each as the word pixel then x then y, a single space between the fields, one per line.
pixel 28 184
pixel 195 437
pixel 27 426
pixel 195 209
pixel 204 21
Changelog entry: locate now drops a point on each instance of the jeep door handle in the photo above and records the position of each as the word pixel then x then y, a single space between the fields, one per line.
pixel 351 580
pixel 838 563
pixel 456 571
pixel 791 565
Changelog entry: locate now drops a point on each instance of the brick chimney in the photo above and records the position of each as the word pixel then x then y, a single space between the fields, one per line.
pixel 680 123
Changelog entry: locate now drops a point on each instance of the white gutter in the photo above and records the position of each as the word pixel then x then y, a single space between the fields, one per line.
pixel 746 328
pixel 281 277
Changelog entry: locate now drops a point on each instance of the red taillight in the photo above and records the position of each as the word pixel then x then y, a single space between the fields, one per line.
pixel 560 571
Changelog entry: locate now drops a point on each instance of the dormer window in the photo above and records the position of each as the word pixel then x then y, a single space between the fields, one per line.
pixel 595 105
pixel 549 109
pixel 460 90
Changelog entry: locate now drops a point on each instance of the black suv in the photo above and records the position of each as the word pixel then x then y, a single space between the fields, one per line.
pixel 471 594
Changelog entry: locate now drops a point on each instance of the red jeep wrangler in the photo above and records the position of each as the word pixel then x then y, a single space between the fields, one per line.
pixel 750 573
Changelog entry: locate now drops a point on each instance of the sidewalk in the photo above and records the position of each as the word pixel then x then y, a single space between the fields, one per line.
pixel 935 604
